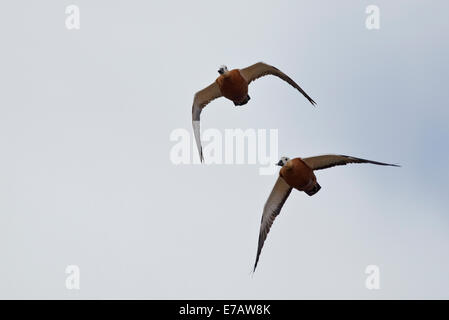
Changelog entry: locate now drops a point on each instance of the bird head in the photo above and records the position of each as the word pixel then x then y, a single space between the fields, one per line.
pixel 283 161
pixel 223 69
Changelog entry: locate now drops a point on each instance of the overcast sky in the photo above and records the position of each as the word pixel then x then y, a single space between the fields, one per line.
pixel 85 171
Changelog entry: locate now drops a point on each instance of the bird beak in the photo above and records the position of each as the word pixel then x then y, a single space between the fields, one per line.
pixel 280 163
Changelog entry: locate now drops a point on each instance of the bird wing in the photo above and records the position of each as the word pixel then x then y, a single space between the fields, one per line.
pixel 332 160
pixel 200 100
pixel 261 69
pixel 271 210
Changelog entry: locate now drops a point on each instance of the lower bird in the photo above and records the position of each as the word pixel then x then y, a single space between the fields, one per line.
pixel 233 85
pixel 298 173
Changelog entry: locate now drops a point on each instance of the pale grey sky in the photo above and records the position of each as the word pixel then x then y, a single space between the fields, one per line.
pixel 86 179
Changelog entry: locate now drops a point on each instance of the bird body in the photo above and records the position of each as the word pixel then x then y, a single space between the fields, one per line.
pixel 299 175
pixel 233 86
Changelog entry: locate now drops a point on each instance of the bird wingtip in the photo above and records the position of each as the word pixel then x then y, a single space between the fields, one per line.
pixel 255 264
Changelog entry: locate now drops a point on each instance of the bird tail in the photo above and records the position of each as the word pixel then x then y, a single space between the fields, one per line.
pixel 243 102
pixel 314 190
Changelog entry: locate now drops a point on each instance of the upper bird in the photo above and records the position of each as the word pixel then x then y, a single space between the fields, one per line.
pixel 298 173
pixel 234 86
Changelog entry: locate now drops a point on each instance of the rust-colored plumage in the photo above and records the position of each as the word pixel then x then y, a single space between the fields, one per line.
pixel 233 86
pixel 298 175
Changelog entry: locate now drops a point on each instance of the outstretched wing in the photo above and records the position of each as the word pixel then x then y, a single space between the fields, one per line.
pixel 332 160
pixel 261 69
pixel 201 99
pixel 271 210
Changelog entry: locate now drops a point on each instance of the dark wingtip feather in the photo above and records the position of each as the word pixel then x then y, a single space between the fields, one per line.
pixel 386 164
pixel 201 156
pixel 259 250
pixel 372 161
pixel 395 165
pixel 311 101
pixel 255 266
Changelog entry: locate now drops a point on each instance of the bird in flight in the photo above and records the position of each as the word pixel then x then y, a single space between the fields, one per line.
pixel 298 173
pixel 233 85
